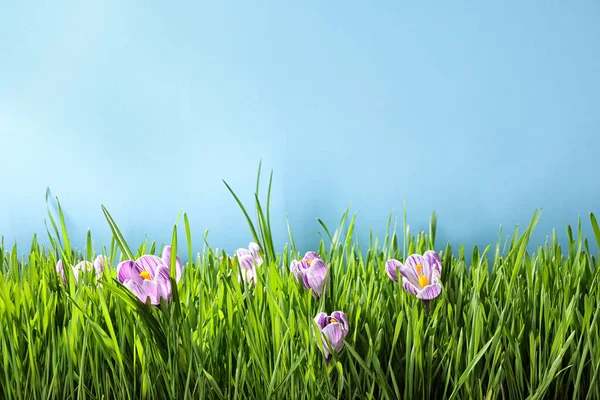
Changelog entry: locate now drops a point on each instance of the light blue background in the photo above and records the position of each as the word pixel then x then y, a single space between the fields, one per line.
pixel 482 111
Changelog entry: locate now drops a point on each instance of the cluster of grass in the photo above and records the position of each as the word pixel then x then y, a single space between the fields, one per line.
pixel 509 324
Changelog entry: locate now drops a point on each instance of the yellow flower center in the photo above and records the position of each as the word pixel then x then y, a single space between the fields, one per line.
pixel 332 320
pixel 309 262
pixel 145 275
pixel 423 280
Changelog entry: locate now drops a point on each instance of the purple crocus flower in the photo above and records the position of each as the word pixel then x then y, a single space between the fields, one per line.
pixel 97 266
pixel 249 259
pixel 61 271
pixel 251 255
pixel 420 274
pixel 334 328
pixel 299 267
pixel 148 276
pixel 311 270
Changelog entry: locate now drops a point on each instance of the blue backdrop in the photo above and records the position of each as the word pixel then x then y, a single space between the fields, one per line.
pixel 480 111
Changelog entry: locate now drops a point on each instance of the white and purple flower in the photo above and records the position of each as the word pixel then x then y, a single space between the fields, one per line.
pixel 249 259
pixel 312 271
pixel 334 328
pixel 148 276
pixel 421 274
pixel 98 266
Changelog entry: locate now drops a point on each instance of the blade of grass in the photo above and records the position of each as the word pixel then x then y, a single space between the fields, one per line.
pixel 117 234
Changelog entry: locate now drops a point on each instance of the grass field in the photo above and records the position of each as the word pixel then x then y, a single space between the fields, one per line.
pixel 510 324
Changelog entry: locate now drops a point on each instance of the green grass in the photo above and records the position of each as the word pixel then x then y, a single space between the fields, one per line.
pixel 509 325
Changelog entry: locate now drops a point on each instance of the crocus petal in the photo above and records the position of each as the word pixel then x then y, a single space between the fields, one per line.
pixel 166 257
pixel 151 289
pixel 408 286
pixel 248 275
pixel 305 281
pixel 61 271
pixel 410 275
pixel 81 266
pixel 242 252
pixel 295 269
pixel 409 269
pixel 343 320
pixel 75 273
pixel 154 289
pixel 299 268
pixel 136 288
pixel 413 260
pixel 430 291
pixel 294 265
pixel 148 263
pixel 162 276
pixel 99 263
pixel 426 269
pixel 255 250
pixel 311 255
pixel 163 292
pixel 333 332
pixel 315 276
pixel 321 319
pixel 163 280
pixel 125 271
pixel 246 262
pixel 434 261
pixel 391 266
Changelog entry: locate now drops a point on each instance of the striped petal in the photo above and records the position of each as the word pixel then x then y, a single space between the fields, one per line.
pixel 242 252
pixel 61 271
pixel 246 262
pixel 409 270
pixel 162 276
pixel 255 250
pixel 296 269
pixel 343 320
pixel 391 266
pixel 333 333
pixel 81 266
pixel 321 319
pixel 305 282
pixel 126 272
pixel 248 275
pixel 430 292
pixel 311 255
pixel 136 288
pixel 315 276
pixel 100 263
pixel 434 261
pixel 153 290
pixel 163 281
pixel 148 263
pixel 166 257
pixel 408 286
